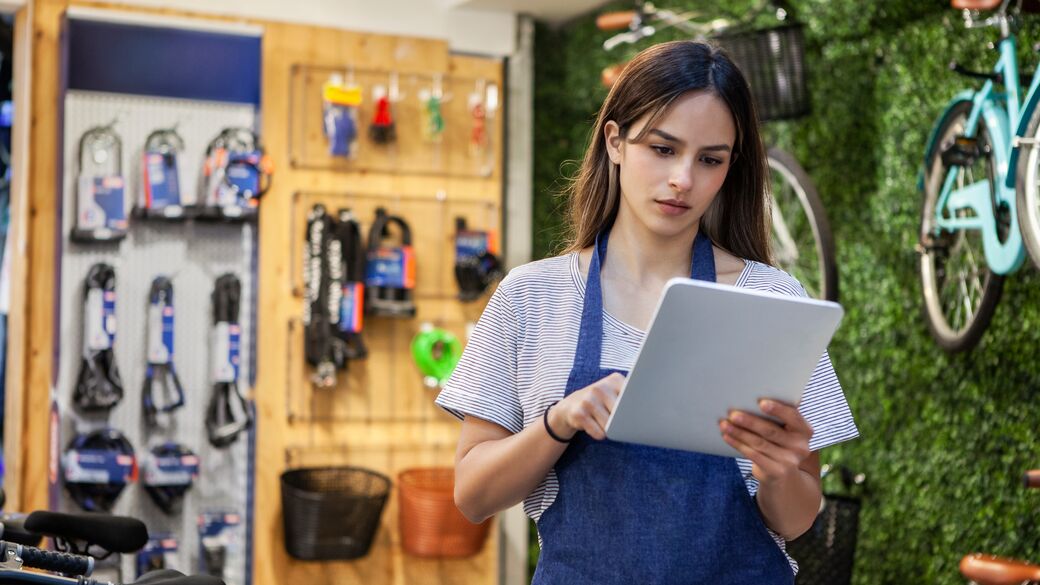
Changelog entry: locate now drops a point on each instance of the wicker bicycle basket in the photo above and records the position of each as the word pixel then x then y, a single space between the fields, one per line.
pixel 773 61
pixel 332 513
pixel 431 525
pixel 826 553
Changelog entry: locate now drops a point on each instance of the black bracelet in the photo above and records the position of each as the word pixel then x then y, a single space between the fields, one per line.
pixel 548 429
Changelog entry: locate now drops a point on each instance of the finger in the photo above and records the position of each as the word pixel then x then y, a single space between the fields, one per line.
pixel 586 421
pixel 763 462
pixel 770 430
pixel 607 397
pixel 779 455
pixel 787 413
pixel 613 383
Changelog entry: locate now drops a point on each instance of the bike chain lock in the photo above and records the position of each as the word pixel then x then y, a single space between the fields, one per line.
pixel 160 374
pixel 228 413
pixel 98 386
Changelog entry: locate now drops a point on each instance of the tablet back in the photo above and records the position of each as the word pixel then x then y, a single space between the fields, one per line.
pixel 712 348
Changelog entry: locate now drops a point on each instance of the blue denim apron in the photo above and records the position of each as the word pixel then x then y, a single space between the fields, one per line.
pixel 632 514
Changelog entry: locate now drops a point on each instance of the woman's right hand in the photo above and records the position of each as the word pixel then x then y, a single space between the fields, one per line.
pixel 587 409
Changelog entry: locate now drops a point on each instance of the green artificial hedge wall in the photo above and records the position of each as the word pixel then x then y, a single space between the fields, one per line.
pixel 945 439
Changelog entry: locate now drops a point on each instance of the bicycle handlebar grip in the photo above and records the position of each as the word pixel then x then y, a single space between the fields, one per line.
pixel 615 20
pixel 58 562
pixel 1033 478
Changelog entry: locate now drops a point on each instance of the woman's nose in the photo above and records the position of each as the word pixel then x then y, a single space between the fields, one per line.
pixel 681 178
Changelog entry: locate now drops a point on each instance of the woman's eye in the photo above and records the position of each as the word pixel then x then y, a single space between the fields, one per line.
pixel 711 161
pixel 662 150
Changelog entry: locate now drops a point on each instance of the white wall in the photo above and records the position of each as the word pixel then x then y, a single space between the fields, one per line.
pixel 470 31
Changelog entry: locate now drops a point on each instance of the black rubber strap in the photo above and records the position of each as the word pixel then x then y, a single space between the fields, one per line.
pixel 548 429
pixel 316 314
pixel 161 376
pixel 228 413
pixel 98 385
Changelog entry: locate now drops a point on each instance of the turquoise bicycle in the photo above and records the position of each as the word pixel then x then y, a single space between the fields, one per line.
pixel 981 184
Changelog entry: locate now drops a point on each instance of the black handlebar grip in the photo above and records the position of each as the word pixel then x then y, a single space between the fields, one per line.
pixel 57 562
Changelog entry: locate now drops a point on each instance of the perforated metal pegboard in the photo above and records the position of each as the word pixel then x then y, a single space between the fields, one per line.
pixel 192 255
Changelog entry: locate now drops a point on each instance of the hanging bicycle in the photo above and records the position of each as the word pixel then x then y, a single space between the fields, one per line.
pixel 772 59
pixel 972 234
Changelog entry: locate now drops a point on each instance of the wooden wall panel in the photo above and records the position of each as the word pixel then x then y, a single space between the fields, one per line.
pixel 401 428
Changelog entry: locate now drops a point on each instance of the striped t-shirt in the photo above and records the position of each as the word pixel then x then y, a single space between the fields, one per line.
pixel 519 355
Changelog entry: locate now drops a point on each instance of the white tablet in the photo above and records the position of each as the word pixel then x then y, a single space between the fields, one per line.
pixel 712 348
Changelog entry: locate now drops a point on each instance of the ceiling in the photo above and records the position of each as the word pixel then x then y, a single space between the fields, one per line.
pixel 553 11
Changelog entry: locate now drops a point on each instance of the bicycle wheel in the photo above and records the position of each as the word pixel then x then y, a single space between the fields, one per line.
pixel 801 241
pixel 1027 191
pixel 960 292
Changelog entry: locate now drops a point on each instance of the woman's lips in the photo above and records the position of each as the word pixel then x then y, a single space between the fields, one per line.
pixel 672 206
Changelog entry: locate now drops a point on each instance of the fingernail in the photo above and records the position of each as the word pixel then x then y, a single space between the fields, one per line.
pixel 725 426
pixel 738 418
pixel 767 405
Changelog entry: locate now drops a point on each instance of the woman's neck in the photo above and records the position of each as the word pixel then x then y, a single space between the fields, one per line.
pixel 637 255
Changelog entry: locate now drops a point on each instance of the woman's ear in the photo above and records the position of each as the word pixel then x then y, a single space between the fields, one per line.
pixel 612 139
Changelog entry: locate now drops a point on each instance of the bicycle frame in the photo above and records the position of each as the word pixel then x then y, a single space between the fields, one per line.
pixel 1006 257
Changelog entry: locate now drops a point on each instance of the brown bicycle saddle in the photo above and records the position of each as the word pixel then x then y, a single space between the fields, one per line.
pixel 990 570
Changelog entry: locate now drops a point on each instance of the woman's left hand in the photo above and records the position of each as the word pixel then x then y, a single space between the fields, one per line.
pixel 776 450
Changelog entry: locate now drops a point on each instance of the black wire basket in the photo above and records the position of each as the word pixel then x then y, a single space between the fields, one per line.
pixel 332 513
pixel 773 61
pixel 825 553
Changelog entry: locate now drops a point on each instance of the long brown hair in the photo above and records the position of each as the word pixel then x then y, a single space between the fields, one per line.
pixel 737 221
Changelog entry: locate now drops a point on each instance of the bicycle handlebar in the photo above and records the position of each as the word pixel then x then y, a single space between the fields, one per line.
pixel 1032 478
pixel 54 561
pixel 15 577
pixel 615 20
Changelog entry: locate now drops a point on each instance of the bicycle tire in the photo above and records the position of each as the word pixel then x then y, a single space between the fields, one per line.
pixel 936 249
pixel 1027 191
pixel 823 282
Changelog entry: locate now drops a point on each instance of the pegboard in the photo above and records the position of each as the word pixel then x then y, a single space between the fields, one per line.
pixel 387 386
pixel 192 254
pixel 411 153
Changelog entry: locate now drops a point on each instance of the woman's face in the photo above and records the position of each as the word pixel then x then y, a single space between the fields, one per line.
pixel 671 176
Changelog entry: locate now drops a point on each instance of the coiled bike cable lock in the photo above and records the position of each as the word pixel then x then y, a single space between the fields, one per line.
pixel 390 272
pixel 228 413
pixel 160 373
pixel 476 267
pixel 89 457
pixel 169 472
pixel 436 352
pixel 98 386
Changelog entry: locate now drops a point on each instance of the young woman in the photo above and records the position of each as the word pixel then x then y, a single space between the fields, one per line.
pixel 673 184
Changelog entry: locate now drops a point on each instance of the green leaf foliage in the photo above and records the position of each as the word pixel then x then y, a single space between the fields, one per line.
pixel 945 438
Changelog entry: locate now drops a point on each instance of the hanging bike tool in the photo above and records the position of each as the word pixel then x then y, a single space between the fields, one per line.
pixel 169 472
pixel 341 100
pixel 162 391
pixel 98 386
pixel 476 265
pixel 390 273
pixel 382 130
pixel 161 193
pixel 236 173
pixel 228 413
pixel 101 194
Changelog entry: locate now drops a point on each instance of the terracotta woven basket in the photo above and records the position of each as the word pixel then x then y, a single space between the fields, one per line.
pixel 431 525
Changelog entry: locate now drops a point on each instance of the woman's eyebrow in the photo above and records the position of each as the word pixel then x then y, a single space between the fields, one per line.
pixel 668 137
